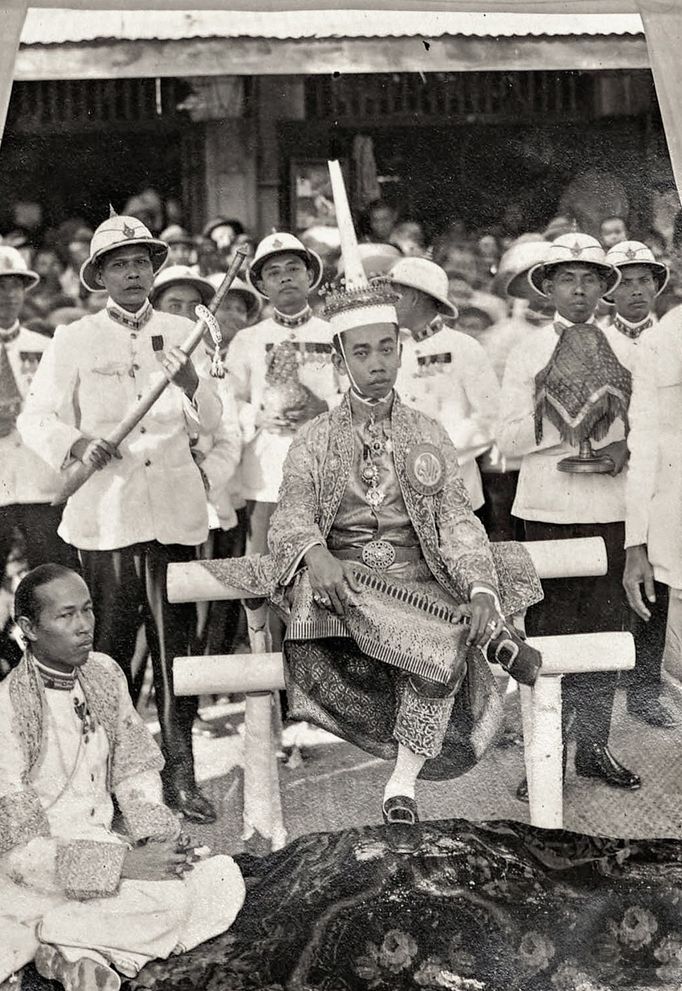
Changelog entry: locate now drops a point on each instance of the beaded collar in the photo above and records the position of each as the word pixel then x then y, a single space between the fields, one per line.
pixel 9 334
pixel 134 321
pixel 297 320
pixel 632 330
pixel 60 681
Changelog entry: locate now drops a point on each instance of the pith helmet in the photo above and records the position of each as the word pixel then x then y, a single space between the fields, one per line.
pixel 512 277
pixel 427 277
pixel 183 275
pixel 570 249
pixel 281 243
pixel 627 253
pixel 12 262
pixel 120 232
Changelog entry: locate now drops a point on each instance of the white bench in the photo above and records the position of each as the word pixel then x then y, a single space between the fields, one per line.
pixel 260 674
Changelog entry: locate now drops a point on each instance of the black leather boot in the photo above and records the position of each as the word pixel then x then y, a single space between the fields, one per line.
pixel 179 784
pixel 595 760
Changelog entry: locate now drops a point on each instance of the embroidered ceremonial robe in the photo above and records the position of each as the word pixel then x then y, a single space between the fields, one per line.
pixel 62 756
pixel 339 680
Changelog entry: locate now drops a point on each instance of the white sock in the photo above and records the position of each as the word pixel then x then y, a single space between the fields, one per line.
pixel 404 777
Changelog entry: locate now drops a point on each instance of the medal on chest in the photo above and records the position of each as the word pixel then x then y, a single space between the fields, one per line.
pixel 376 447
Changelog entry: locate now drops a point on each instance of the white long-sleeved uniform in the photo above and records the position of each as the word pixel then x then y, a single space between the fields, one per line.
pixel 654 483
pixel 544 493
pixel 142 920
pixel 91 374
pixel 265 450
pixel 24 477
pixel 449 377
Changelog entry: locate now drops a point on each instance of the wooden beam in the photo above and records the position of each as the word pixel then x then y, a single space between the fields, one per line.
pixel 261 56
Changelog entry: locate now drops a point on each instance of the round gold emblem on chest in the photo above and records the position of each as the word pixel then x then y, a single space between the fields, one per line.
pixel 425 466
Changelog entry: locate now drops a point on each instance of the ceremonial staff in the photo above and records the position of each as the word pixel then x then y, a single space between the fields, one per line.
pixel 142 407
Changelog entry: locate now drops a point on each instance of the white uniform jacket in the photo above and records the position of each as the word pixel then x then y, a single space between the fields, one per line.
pixel 92 373
pixel 449 377
pixel 24 477
pixel 246 361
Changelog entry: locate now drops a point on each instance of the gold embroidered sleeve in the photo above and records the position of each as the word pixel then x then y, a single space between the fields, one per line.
pixel 295 524
pixel 22 819
pixel 464 546
pixel 146 817
pixel 88 869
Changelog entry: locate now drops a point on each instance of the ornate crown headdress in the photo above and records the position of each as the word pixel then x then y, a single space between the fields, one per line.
pixel 355 301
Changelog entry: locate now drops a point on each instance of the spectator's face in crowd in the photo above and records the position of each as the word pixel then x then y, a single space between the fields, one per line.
pixel 635 294
pixel 459 288
pixel 286 282
pixel 381 221
pixel 613 231
pixel 488 248
pixel 223 236
pixel 127 275
pixel 372 356
pixel 181 299
pixel 463 261
pixel 62 632
pixel 233 315
pixel 12 293
pixel 180 254
pixel 79 251
pixel 575 291
pixel 48 266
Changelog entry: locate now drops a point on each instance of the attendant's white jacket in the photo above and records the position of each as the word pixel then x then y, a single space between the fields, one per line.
pixel 92 373
pixel 449 377
pixel 246 362
pixel 544 493
pixel 24 477
pixel 654 483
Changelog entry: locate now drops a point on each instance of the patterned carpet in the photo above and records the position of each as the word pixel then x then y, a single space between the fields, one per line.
pixel 497 906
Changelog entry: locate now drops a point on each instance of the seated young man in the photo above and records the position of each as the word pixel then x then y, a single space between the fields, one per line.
pixel 84 902
pixel 375 557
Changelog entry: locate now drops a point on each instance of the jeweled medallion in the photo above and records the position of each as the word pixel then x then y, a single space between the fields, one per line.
pixel 378 554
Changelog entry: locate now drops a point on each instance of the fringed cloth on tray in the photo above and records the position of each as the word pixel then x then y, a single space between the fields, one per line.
pixel 346 673
pixel 583 388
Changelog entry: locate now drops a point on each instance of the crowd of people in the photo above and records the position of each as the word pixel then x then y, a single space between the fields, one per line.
pixel 388 409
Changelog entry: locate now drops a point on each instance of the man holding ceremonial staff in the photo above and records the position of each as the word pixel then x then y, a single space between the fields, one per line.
pixel 145 505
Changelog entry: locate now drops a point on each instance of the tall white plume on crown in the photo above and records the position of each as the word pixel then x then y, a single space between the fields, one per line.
pixel 354 272
pixel 359 301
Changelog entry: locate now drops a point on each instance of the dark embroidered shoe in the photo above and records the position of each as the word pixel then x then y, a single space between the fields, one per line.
pixel 400 813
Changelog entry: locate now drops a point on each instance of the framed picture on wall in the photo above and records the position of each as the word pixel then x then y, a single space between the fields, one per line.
pixel 311 203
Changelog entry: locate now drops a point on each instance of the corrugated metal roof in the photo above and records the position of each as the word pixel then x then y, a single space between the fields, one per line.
pixel 57 26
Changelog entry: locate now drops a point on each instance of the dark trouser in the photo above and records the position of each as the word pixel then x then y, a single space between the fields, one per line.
pixel 128 588
pixel 644 683
pixel 499 489
pixel 583 605
pixel 217 632
pixel 37 524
